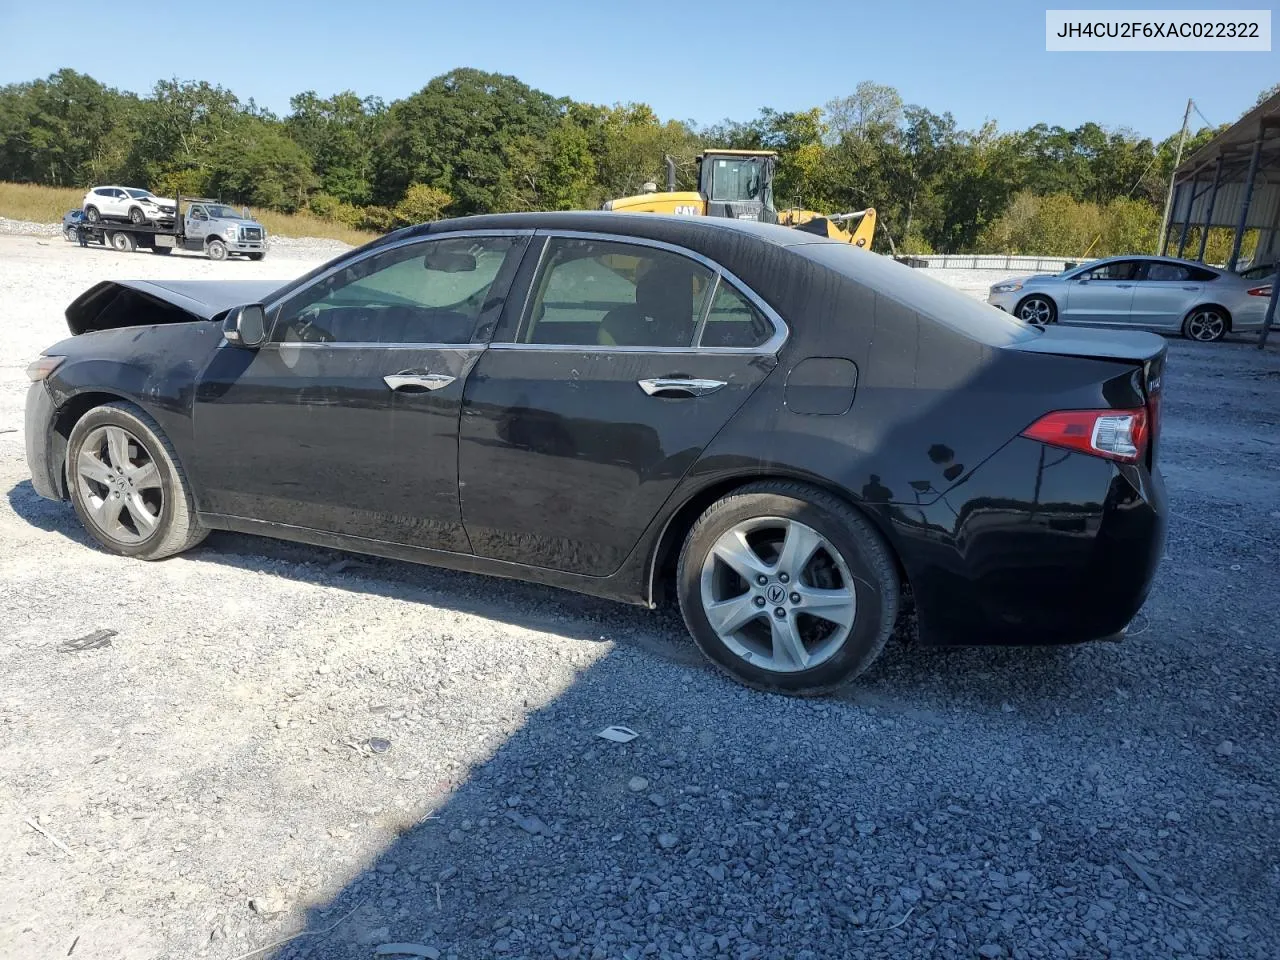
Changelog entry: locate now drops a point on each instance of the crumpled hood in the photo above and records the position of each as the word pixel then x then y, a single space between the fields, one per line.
pixel 112 304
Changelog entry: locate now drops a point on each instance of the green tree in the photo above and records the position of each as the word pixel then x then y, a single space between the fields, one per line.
pixel 339 134
pixel 453 135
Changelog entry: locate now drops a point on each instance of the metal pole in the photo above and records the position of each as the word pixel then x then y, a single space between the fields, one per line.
pixel 1208 213
pixel 1270 316
pixel 1168 199
pixel 1186 221
pixel 1245 203
pixel 1165 237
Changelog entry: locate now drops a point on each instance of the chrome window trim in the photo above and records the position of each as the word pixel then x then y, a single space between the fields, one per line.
pixel 781 332
pixel 370 345
pixel 279 303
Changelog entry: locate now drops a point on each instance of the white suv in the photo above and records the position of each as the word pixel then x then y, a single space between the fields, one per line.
pixel 127 203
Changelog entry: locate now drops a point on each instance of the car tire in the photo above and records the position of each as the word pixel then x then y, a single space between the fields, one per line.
pixel 137 216
pixel 1205 325
pixel 797 652
pixel 216 250
pixel 127 486
pixel 1036 309
pixel 69 234
pixel 91 214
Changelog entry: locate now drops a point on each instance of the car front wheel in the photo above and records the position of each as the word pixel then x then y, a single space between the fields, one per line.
pixel 127 486
pixel 217 250
pixel 1038 310
pixel 136 215
pixel 787 588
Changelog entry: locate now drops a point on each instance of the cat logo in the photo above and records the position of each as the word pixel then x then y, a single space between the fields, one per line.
pixel 686 209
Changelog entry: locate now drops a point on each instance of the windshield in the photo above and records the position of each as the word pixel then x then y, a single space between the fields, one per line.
pixel 737 178
pixel 138 194
pixel 222 212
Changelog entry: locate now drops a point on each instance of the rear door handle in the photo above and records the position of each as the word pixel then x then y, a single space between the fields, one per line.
pixel 418 381
pixel 679 387
pixel 1123 286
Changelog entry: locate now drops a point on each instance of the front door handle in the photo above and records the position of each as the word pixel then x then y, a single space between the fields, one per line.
pixel 679 387
pixel 418 381
pixel 1123 286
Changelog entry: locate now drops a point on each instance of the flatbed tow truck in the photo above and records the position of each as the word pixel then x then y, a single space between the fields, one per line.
pixel 200 224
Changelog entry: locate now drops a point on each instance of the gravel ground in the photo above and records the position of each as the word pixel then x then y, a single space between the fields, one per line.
pixel 280 739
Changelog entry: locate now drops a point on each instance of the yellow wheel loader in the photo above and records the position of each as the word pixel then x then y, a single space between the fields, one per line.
pixel 739 184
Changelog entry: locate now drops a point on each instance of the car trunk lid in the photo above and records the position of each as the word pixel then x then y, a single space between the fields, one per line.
pixel 1144 351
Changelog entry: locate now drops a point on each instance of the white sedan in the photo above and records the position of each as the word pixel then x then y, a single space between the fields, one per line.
pixel 127 203
pixel 1153 293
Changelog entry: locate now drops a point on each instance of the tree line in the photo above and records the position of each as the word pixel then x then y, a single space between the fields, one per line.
pixel 475 142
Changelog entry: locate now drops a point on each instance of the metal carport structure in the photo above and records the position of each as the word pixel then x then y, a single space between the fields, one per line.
pixel 1233 181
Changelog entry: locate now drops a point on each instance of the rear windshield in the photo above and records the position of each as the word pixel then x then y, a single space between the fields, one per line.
pixel 918 291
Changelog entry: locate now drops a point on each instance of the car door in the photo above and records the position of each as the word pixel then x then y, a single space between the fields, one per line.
pixel 596 398
pixel 196 225
pixel 1164 292
pixel 1101 295
pixel 347 420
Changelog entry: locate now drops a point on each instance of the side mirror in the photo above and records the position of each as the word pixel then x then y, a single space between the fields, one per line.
pixel 246 326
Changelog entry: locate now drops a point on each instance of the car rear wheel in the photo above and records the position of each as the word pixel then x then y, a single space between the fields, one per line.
pixel 1038 310
pixel 123 242
pixel 127 486
pixel 787 588
pixel 136 215
pixel 217 250
pixel 91 214
pixel 1205 324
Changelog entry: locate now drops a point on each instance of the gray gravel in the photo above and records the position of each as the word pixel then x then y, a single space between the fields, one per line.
pixel 274 742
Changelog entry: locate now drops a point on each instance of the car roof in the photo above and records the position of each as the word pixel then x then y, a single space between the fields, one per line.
pixel 1155 258
pixel 655 226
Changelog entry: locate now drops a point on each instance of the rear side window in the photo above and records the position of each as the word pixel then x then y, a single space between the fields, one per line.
pixel 608 293
pixel 1167 271
pixel 734 321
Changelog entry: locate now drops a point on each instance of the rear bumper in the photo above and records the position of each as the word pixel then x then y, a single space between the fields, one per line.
pixel 44 461
pixel 1035 549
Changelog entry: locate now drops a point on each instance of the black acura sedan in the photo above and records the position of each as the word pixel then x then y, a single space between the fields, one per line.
pixel 791 434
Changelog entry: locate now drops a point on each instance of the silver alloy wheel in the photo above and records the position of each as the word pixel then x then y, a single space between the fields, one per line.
pixel 778 594
pixel 1036 310
pixel 119 484
pixel 217 250
pixel 1206 325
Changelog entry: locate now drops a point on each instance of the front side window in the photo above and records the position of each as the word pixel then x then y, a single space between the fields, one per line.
pixel 608 293
pixel 429 292
pixel 1120 270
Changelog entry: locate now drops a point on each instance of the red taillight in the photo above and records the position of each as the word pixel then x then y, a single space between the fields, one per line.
pixel 1114 434
pixel 1260 291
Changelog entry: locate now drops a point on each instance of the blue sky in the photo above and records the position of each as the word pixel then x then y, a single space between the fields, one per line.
pixel 695 61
